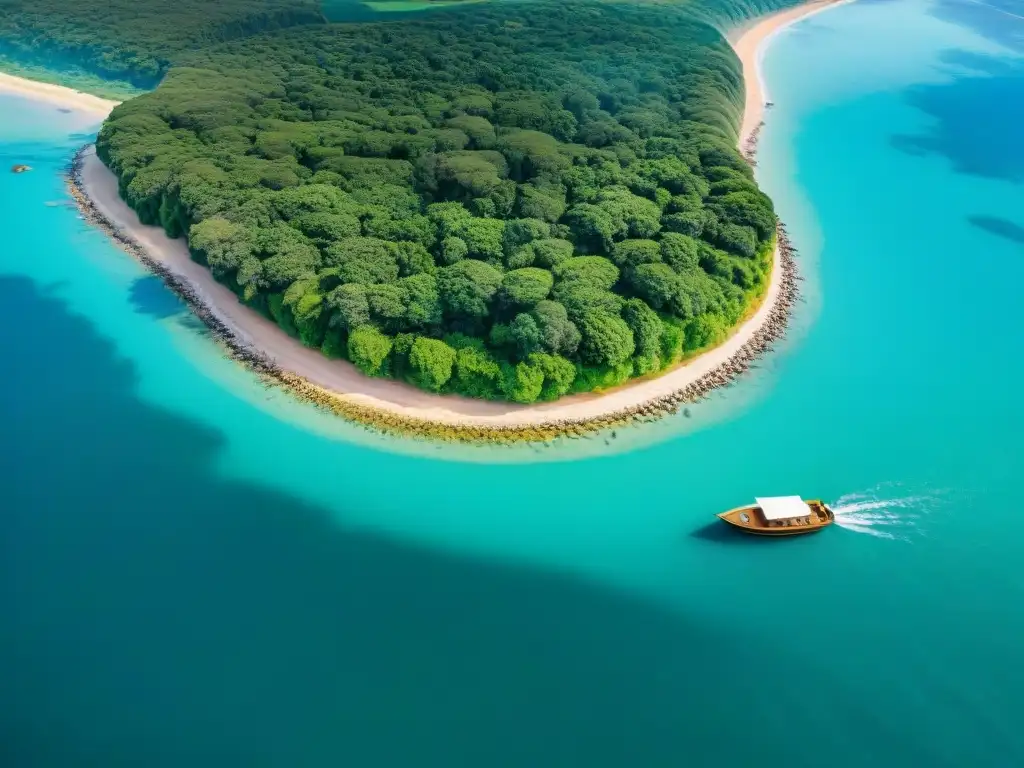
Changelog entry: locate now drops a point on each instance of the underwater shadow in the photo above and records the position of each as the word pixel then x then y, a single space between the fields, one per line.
pixel 160 614
pixel 149 296
pixel 976 117
pixel 720 533
pixel 999 227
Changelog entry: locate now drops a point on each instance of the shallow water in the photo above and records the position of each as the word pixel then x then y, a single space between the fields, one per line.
pixel 197 571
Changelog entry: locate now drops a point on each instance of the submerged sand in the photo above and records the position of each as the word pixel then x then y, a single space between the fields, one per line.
pixel 340 385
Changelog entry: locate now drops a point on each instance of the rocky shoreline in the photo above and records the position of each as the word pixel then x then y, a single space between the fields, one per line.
pixel 749 148
pixel 386 421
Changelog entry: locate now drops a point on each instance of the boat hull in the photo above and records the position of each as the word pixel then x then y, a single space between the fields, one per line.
pixel 750 519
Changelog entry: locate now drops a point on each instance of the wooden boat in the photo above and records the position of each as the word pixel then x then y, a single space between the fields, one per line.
pixel 20 168
pixel 780 516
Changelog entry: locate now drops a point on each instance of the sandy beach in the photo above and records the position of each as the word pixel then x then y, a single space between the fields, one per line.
pixel 58 95
pixel 340 386
pixel 749 41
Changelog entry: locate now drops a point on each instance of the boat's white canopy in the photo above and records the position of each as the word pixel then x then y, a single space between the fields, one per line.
pixel 783 507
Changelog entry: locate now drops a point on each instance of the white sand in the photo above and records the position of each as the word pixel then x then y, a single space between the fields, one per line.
pixel 342 379
pixel 749 42
pixel 58 95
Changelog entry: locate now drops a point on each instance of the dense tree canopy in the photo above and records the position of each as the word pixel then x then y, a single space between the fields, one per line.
pixel 472 201
pixel 511 200
pixel 134 41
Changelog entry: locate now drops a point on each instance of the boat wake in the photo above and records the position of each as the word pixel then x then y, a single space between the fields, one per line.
pixel 887 518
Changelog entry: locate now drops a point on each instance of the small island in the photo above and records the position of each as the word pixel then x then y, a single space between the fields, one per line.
pixel 505 202
pixel 485 216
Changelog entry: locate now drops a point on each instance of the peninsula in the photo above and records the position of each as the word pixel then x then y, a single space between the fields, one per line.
pixel 580 296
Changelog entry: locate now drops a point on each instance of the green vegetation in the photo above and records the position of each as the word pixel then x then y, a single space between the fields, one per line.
pixel 509 200
pixel 407 6
pixel 130 43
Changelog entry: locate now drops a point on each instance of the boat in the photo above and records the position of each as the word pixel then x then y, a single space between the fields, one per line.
pixel 20 168
pixel 780 516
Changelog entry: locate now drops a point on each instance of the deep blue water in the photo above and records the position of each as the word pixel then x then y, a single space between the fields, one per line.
pixel 197 571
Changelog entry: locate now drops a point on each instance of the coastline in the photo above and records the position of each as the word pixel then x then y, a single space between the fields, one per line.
pixel 396 407
pixel 749 41
pixel 58 95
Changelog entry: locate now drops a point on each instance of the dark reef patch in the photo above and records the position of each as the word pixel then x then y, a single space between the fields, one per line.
pixel 150 297
pixel 977 119
pixel 999 227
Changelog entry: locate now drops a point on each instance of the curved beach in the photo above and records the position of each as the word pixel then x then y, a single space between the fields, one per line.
pixel 394 405
pixel 58 95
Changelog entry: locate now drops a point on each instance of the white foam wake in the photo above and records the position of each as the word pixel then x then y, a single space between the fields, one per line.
pixel 887 518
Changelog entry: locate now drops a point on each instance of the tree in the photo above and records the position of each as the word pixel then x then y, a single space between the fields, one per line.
pixel 519 232
pixel 483 238
pixel 559 374
pixel 592 227
pixel 595 271
pixel 453 249
pixel 424 310
pixel 580 297
pixel 307 305
pixel 558 334
pixel 324 228
pixel 414 259
pixel 543 202
pixel 221 244
pixel 632 215
pixel 350 306
pixel 551 252
pixel 466 289
pixel 525 334
pixel 646 327
pixel 680 252
pixel 607 340
pixel 293 203
pixel 280 271
pixel 430 362
pixel 365 260
pixel 523 382
pixel 736 239
pixel 478 129
pixel 477 373
pixel 523 288
pixel 388 306
pixel 368 349
pixel 630 253
pixel 656 284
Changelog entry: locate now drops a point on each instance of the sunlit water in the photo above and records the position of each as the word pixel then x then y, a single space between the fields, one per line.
pixel 195 570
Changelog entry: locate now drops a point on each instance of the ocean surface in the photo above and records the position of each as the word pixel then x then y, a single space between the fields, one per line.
pixel 197 571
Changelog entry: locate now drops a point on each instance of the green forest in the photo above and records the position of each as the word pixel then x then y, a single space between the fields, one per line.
pixel 506 200
pixel 133 42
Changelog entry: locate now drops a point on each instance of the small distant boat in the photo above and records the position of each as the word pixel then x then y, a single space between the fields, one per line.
pixel 780 516
pixel 769 104
pixel 20 168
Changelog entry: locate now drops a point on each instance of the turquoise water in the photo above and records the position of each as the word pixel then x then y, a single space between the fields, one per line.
pixel 197 571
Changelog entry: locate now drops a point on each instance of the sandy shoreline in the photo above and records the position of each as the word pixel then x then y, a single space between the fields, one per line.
pixel 58 95
pixel 395 406
pixel 749 41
